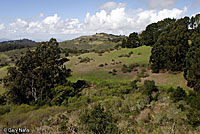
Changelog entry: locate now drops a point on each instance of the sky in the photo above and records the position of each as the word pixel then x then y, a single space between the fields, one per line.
pixel 41 20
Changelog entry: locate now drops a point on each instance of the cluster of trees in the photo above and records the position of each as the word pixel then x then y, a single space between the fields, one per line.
pixel 176 46
pixel 148 37
pixel 170 50
pixel 36 74
pixel 177 49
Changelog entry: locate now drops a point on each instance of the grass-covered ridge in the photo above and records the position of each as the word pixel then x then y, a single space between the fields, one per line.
pixel 98 41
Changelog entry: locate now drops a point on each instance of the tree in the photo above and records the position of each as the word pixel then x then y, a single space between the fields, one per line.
pixel 36 73
pixel 133 40
pixel 171 48
pixel 192 69
pixel 150 35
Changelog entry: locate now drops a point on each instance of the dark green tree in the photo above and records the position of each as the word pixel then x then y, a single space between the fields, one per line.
pixel 171 48
pixel 133 40
pixel 150 35
pixel 36 73
pixel 192 69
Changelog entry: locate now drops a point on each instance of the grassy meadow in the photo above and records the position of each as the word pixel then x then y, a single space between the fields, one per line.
pixel 110 60
pixel 91 71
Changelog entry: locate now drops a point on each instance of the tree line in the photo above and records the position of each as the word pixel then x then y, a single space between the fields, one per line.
pixel 175 46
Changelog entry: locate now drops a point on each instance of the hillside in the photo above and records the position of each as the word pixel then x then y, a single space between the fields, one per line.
pixel 104 83
pixel 17 44
pixel 98 41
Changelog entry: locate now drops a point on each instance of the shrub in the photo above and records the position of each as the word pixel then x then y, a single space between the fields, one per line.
pixel 197 86
pixel 114 70
pixel 85 60
pixel 62 93
pixel 134 84
pixel 126 69
pixel 101 65
pixel 193 117
pixel 178 94
pixel 149 87
pixel 133 65
pixel 99 121
pixel 193 100
pixel 4 109
pixel 2 100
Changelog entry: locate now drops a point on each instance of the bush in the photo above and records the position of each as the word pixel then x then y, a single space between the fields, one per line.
pixel 4 109
pixel 193 100
pixel 99 121
pixel 2 100
pixel 101 65
pixel 85 60
pixel 197 86
pixel 193 117
pixel 178 94
pixel 149 87
pixel 132 66
pixel 62 93
pixel 126 69
pixel 114 70
pixel 134 84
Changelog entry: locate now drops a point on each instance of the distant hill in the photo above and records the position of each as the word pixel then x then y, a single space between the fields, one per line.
pixel 98 41
pixel 3 39
pixel 21 41
pixel 17 44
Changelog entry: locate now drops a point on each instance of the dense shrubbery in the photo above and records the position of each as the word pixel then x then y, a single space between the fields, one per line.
pixel 99 121
pixel 178 94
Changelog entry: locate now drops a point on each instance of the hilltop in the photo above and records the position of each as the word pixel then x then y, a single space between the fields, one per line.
pixel 99 41
pixel 17 44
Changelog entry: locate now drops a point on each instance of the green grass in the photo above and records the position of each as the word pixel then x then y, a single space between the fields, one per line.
pixel 92 42
pixel 92 72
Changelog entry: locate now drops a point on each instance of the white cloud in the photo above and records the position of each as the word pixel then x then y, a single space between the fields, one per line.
pixel 160 4
pixel 2 26
pixel 51 19
pixel 115 21
pixel 112 5
pixel 118 21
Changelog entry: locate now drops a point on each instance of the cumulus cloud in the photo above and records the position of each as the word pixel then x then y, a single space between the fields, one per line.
pixel 50 25
pixel 115 21
pixel 160 4
pixel 118 21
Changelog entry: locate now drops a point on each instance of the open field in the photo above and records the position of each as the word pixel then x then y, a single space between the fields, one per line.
pixel 92 72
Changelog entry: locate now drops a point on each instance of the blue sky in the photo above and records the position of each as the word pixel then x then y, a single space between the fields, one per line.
pixel 66 19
